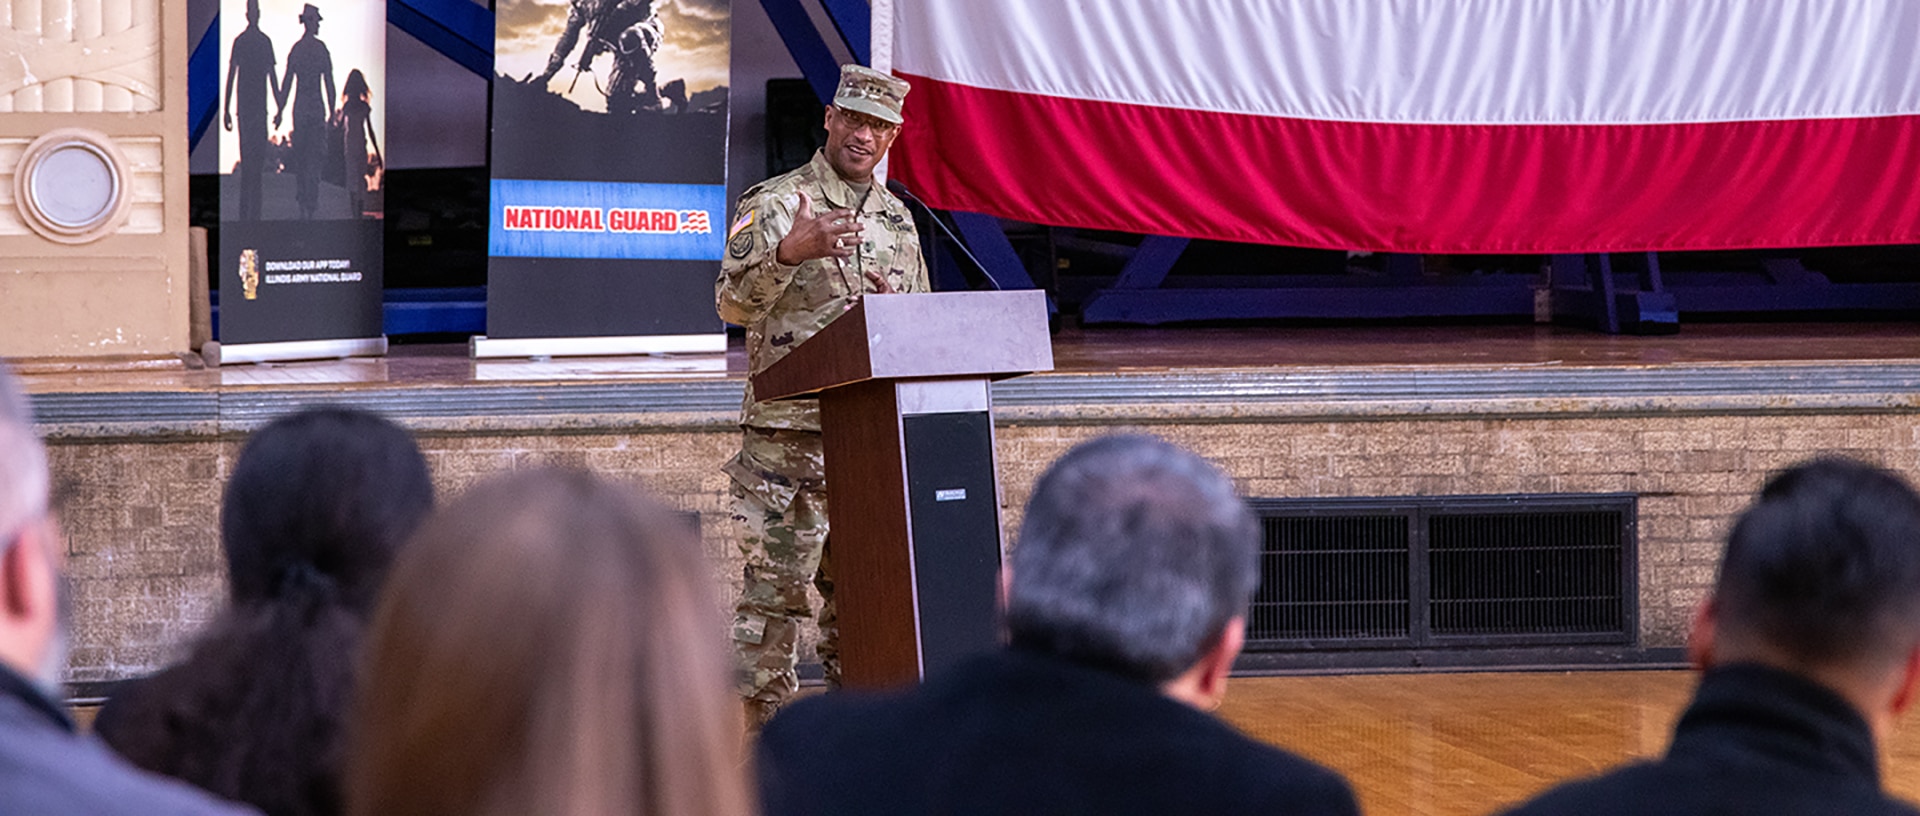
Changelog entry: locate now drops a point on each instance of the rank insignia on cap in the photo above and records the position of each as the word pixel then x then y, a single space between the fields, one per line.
pixel 870 92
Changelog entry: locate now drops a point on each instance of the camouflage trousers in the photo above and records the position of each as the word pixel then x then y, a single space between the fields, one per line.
pixel 780 516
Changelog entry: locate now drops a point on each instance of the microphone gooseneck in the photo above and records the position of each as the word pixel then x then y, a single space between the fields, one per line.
pixel 901 191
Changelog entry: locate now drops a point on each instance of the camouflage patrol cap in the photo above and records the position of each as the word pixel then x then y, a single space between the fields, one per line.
pixel 867 91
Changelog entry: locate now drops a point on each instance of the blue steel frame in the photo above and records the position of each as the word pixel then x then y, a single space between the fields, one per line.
pixel 854 20
pixel 1586 290
pixel 804 42
pixel 460 29
pixel 203 82
pixel 1594 290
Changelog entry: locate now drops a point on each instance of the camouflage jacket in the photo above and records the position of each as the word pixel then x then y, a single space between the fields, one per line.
pixel 781 306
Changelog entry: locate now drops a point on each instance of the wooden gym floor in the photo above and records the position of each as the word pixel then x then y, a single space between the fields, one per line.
pixel 1471 744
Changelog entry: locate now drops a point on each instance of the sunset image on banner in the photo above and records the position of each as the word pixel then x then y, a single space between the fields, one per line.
pixel 302 113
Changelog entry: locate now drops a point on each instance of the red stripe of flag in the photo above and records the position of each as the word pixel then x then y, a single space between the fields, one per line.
pixel 1412 188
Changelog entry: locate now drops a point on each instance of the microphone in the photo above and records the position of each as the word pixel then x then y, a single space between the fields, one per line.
pixel 900 190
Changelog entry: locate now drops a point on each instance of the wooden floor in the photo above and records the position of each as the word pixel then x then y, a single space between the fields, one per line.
pixel 1470 744
pixel 1075 351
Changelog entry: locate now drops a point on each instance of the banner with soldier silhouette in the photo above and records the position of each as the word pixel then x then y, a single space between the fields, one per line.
pixel 609 175
pixel 302 110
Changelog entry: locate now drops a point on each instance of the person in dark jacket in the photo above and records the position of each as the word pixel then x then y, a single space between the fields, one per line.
pixel 1810 646
pixel 314 513
pixel 1125 606
pixel 47 767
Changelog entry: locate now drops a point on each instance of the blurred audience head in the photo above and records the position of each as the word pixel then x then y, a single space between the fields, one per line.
pixel 32 591
pixel 549 643
pixel 320 502
pixel 1137 557
pixel 14 406
pixel 1822 576
pixel 317 506
pixel 24 483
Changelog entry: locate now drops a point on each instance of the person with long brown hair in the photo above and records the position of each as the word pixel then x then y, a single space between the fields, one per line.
pixel 549 643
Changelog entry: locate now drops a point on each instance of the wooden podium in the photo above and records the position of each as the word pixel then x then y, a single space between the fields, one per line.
pixel 907 420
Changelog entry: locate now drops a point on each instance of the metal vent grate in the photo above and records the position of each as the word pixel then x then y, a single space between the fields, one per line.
pixel 1333 578
pixel 1526 573
pixel 1444 571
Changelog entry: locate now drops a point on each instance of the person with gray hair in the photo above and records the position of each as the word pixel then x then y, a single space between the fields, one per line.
pixel 46 765
pixel 1126 601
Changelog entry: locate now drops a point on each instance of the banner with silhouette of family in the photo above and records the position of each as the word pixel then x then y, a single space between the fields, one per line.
pixel 609 167
pixel 302 176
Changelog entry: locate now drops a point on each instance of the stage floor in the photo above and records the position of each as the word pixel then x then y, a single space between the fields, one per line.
pixel 1076 351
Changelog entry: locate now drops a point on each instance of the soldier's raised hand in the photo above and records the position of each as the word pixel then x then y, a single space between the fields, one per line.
pixel 831 234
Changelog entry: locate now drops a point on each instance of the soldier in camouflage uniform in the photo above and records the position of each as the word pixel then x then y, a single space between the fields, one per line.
pixel 803 248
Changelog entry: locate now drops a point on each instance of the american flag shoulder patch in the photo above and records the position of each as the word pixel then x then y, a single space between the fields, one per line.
pixel 745 220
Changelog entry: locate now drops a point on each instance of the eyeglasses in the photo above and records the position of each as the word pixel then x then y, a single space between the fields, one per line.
pixel 856 120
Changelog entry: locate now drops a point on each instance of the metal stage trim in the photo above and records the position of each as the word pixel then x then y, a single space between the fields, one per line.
pixel 218 354
pixel 1783 382
pixel 599 346
pixel 1194 394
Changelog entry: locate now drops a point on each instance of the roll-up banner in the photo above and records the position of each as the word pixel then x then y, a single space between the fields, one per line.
pixel 302 112
pixel 609 177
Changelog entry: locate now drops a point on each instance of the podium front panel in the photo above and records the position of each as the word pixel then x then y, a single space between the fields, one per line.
pixel 956 534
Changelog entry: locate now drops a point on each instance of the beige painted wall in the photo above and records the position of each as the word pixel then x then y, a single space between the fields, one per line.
pixel 117 67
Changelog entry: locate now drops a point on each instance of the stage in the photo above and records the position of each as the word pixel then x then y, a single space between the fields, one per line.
pixel 1687 424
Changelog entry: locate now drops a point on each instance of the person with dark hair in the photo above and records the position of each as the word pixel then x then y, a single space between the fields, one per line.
pixel 549 643
pixel 1125 606
pixel 47 766
pixel 317 507
pixel 1810 648
pixel 790 270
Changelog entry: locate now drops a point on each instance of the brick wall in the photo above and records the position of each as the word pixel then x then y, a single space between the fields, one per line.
pixel 146 567
pixel 143 551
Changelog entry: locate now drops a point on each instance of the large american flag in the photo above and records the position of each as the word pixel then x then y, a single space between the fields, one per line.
pixel 1422 125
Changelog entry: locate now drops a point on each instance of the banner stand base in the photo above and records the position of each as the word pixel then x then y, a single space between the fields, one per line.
pixel 217 354
pixel 482 346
